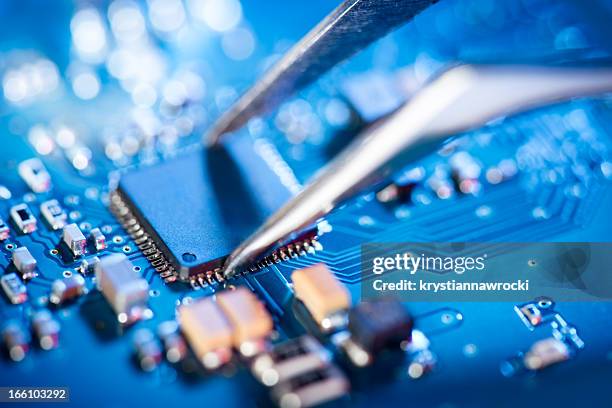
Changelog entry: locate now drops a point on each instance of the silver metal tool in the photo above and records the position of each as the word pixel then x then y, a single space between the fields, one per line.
pixel 348 29
pixel 462 98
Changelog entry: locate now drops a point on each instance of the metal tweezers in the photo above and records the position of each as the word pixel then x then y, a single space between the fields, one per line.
pixel 463 97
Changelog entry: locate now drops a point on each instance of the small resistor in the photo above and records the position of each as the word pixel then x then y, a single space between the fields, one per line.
pixel 46 329
pixel 66 289
pixel 88 265
pixel 4 230
pixel 16 340
pixel 14 288
pixel 98 239
pixel 147 349
pixel 174 344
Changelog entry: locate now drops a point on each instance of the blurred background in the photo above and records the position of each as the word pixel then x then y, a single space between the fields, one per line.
pixel 131 81
pixel 94 87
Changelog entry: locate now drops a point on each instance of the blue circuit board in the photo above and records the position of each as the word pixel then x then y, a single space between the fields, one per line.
pixel 151 78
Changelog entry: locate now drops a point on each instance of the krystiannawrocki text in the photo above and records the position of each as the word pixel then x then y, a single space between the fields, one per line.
pixel 450 285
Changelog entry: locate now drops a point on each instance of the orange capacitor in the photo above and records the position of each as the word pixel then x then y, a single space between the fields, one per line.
pixel 320 291
pixel 208 332
pixel 247 315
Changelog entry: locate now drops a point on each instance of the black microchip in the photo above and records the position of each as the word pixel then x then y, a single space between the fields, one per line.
pixel 381 324
pixel 198 207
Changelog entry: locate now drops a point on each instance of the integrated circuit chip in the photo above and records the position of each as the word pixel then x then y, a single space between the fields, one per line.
pixel 187 214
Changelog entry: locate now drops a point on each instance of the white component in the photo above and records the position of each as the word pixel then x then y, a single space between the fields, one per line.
pixel 89 265
pixel 98 239
pixel 23 218
pixel 24 263
pixel 123 288
pixel 14 288
pixel 74 239
pixel 35 175
pixel 66 289
pixel 53 213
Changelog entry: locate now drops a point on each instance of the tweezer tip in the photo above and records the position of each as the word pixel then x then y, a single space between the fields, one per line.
pixel 211 138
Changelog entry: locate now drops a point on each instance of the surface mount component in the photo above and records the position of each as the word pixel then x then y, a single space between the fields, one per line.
pixel 208 332
pixel 14 289
pixel 74 239
pixel 16 340
pixel 248 317
pixel 289 359
pixel 67 289
pixel 54 214
pixel 88 265
pixel 123 288
pixel 97 239
pixel 376 326
pixel 311 388
pixel 546 352
pixel 187 214
pixel 174 344
pixel 46 329
pixel 23 218
pixel 148 352
pixel 35 175
pixel 25 263
pixel 4 230
pixel 325 297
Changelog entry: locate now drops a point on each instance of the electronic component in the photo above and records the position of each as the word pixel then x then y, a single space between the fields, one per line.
pixel 97 239
pixel 532 314
pixel 173 342
pixel 66 289
pixel 54 214
pixel 126 292
pixel 441 184
pixel 147 350
pixel 14 288
pixel 465 173
pixel 561 329
pixel 311 388
pixel 74 239
pixel 35 175
pixel 23 218
pixel 46 329
pixel 395 192
pixel 248 317
pixel 208 332
pixel 16 340
pixel 191 241
pixel 25 263
pixel 403 187
pixel 421 363
pixel 535 313
pixel 88 265
pixel 4 230
pixel 375 326
pixel 288 359
pixel 546 352
pixel 324 296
